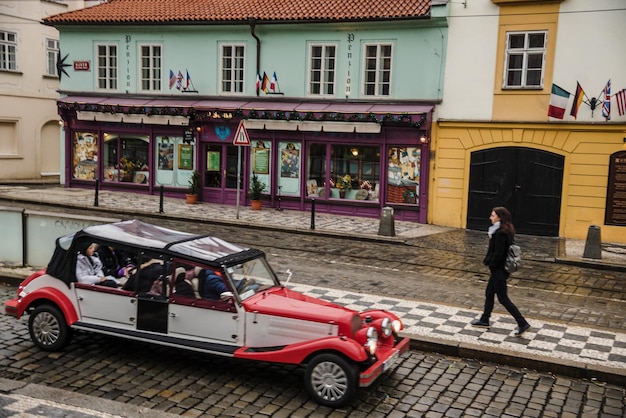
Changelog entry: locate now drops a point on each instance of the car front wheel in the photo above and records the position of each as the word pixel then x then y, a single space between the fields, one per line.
pixel 48 328
pixel 331 380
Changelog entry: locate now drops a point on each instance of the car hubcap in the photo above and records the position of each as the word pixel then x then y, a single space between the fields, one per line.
pixel 46 328
pixel 329 381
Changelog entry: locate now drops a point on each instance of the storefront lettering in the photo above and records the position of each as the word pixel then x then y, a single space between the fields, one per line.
pixel 128 39
pixel 349 75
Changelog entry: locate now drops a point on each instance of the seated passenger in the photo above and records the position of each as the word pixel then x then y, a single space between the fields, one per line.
pixel 115 262
pixel 89 268
pixel 212 285
pixel 182 284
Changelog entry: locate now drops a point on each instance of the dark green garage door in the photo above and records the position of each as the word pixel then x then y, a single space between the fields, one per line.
pixel 527 181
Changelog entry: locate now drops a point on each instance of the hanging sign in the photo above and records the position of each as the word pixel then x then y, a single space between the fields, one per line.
pixel 241 136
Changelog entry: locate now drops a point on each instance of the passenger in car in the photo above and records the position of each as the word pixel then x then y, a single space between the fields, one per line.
pixel 115 262
pixel 212 284
pixel 89 268
pixel 182 283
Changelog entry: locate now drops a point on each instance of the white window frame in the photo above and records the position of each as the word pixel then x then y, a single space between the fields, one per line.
pixel 234 83
pixel 324 71
pixel 379 71
pixel 525 52
pixel 155 71
pixel 52 56
pixel 8 50
pixel 111 76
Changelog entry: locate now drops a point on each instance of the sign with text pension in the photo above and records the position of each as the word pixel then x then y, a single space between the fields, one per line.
pixel 241 136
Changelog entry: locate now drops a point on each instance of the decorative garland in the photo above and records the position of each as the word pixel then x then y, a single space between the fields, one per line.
pixel 200 115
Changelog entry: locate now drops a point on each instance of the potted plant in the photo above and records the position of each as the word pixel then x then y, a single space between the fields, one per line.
pixel 344 184
pixel 256 191
pixel 194 187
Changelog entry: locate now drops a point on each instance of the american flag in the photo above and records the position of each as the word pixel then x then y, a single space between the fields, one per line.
pixel 606 105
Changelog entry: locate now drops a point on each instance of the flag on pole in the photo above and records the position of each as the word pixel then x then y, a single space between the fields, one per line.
pixel 558 102
pixel 187 80
pixel 274 82
pixel 578 100
pixel 265 82
pixel 620 97
pixel 258 82
pixel 172 79
pixel 606 105
pixel 179 80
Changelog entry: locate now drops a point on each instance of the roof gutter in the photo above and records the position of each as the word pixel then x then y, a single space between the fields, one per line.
pixel 252 23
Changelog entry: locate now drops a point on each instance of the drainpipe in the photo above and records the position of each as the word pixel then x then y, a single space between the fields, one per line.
pixel 258 49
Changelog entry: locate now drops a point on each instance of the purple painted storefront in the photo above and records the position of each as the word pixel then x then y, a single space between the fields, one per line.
pixel 351 158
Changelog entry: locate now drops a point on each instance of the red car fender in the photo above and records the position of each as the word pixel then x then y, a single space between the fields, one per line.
pixel 53 295
pixel 297 353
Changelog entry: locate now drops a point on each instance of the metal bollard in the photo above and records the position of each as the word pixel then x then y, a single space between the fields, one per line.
pixel 593 245
pixel 387 225
pixel 95 199
pixel 161 199
pixel 312 214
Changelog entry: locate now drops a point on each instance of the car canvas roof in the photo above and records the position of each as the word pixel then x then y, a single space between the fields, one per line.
pixel 135 233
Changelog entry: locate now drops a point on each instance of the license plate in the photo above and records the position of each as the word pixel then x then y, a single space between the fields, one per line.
pixel 391 361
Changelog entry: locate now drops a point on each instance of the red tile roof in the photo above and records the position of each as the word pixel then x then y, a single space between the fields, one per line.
pixel 239 11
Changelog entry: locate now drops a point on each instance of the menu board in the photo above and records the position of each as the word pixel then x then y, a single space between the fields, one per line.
pixel 616 193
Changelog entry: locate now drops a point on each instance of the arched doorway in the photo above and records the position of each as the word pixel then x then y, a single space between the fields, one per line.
pixel 525 180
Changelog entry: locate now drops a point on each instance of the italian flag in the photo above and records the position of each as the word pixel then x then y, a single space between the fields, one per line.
pixel 558 102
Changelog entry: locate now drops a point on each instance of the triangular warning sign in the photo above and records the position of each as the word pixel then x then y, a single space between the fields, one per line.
pixel 241 136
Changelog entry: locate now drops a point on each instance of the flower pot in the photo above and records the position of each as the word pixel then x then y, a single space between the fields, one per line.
pixel 342 193
pixel 256 204
pixel 191 198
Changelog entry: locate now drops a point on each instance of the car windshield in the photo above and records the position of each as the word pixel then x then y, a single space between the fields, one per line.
pixel 251 277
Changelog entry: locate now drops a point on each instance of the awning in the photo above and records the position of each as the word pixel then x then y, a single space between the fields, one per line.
pixel 258 114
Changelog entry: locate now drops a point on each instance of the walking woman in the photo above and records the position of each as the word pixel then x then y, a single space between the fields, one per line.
pixel 501 234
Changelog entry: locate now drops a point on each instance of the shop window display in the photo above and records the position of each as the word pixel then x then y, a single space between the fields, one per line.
pixel 126 158
pixel 261 151
pixel 85 155
pixel 289 159
pixel 354 172
pixel 403 175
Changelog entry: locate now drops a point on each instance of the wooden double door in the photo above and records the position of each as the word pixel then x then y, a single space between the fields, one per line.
pixel 526 181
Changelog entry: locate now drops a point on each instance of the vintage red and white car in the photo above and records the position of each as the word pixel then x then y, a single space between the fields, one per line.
pixel 204 294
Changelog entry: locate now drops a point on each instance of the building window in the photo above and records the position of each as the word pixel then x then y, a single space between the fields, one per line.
pixel 52 56
pixel 525 58
pixel 322 67
pixel 8 50
pixel 377 70
pixel 151 67
pixel 107 67
pixel 126 158
pixel 232 68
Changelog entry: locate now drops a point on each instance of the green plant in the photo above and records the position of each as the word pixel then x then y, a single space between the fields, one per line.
pixel 194 182
pixel 256 187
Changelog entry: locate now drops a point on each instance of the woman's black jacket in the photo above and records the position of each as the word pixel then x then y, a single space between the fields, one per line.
pixel 496 253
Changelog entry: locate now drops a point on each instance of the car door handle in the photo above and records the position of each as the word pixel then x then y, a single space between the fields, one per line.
pixel 172 314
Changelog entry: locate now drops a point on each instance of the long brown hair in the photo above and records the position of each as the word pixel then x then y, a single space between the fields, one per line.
pixel 506 220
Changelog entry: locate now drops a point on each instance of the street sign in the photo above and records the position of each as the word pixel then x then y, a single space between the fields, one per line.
pixel 241 136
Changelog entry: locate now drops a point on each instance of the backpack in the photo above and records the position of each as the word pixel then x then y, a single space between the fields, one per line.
pixel 513 258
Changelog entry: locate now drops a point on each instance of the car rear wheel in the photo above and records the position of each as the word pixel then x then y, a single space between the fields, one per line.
pixel 48 328
pixel 331 380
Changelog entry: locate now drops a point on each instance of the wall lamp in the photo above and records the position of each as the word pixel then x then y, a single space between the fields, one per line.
pixel 424 139
pixel 354 151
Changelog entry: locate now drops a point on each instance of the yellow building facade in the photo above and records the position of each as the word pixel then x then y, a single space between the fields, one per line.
pixel 583 187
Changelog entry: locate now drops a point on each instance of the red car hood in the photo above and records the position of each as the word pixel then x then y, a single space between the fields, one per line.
pixel 287 303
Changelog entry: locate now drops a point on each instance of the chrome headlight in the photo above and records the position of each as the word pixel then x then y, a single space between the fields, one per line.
pixel 386 327
pixel 372 340
pixel 396 325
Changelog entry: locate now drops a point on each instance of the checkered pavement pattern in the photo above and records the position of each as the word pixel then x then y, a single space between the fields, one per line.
pixel 547 339
pixel 14 405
